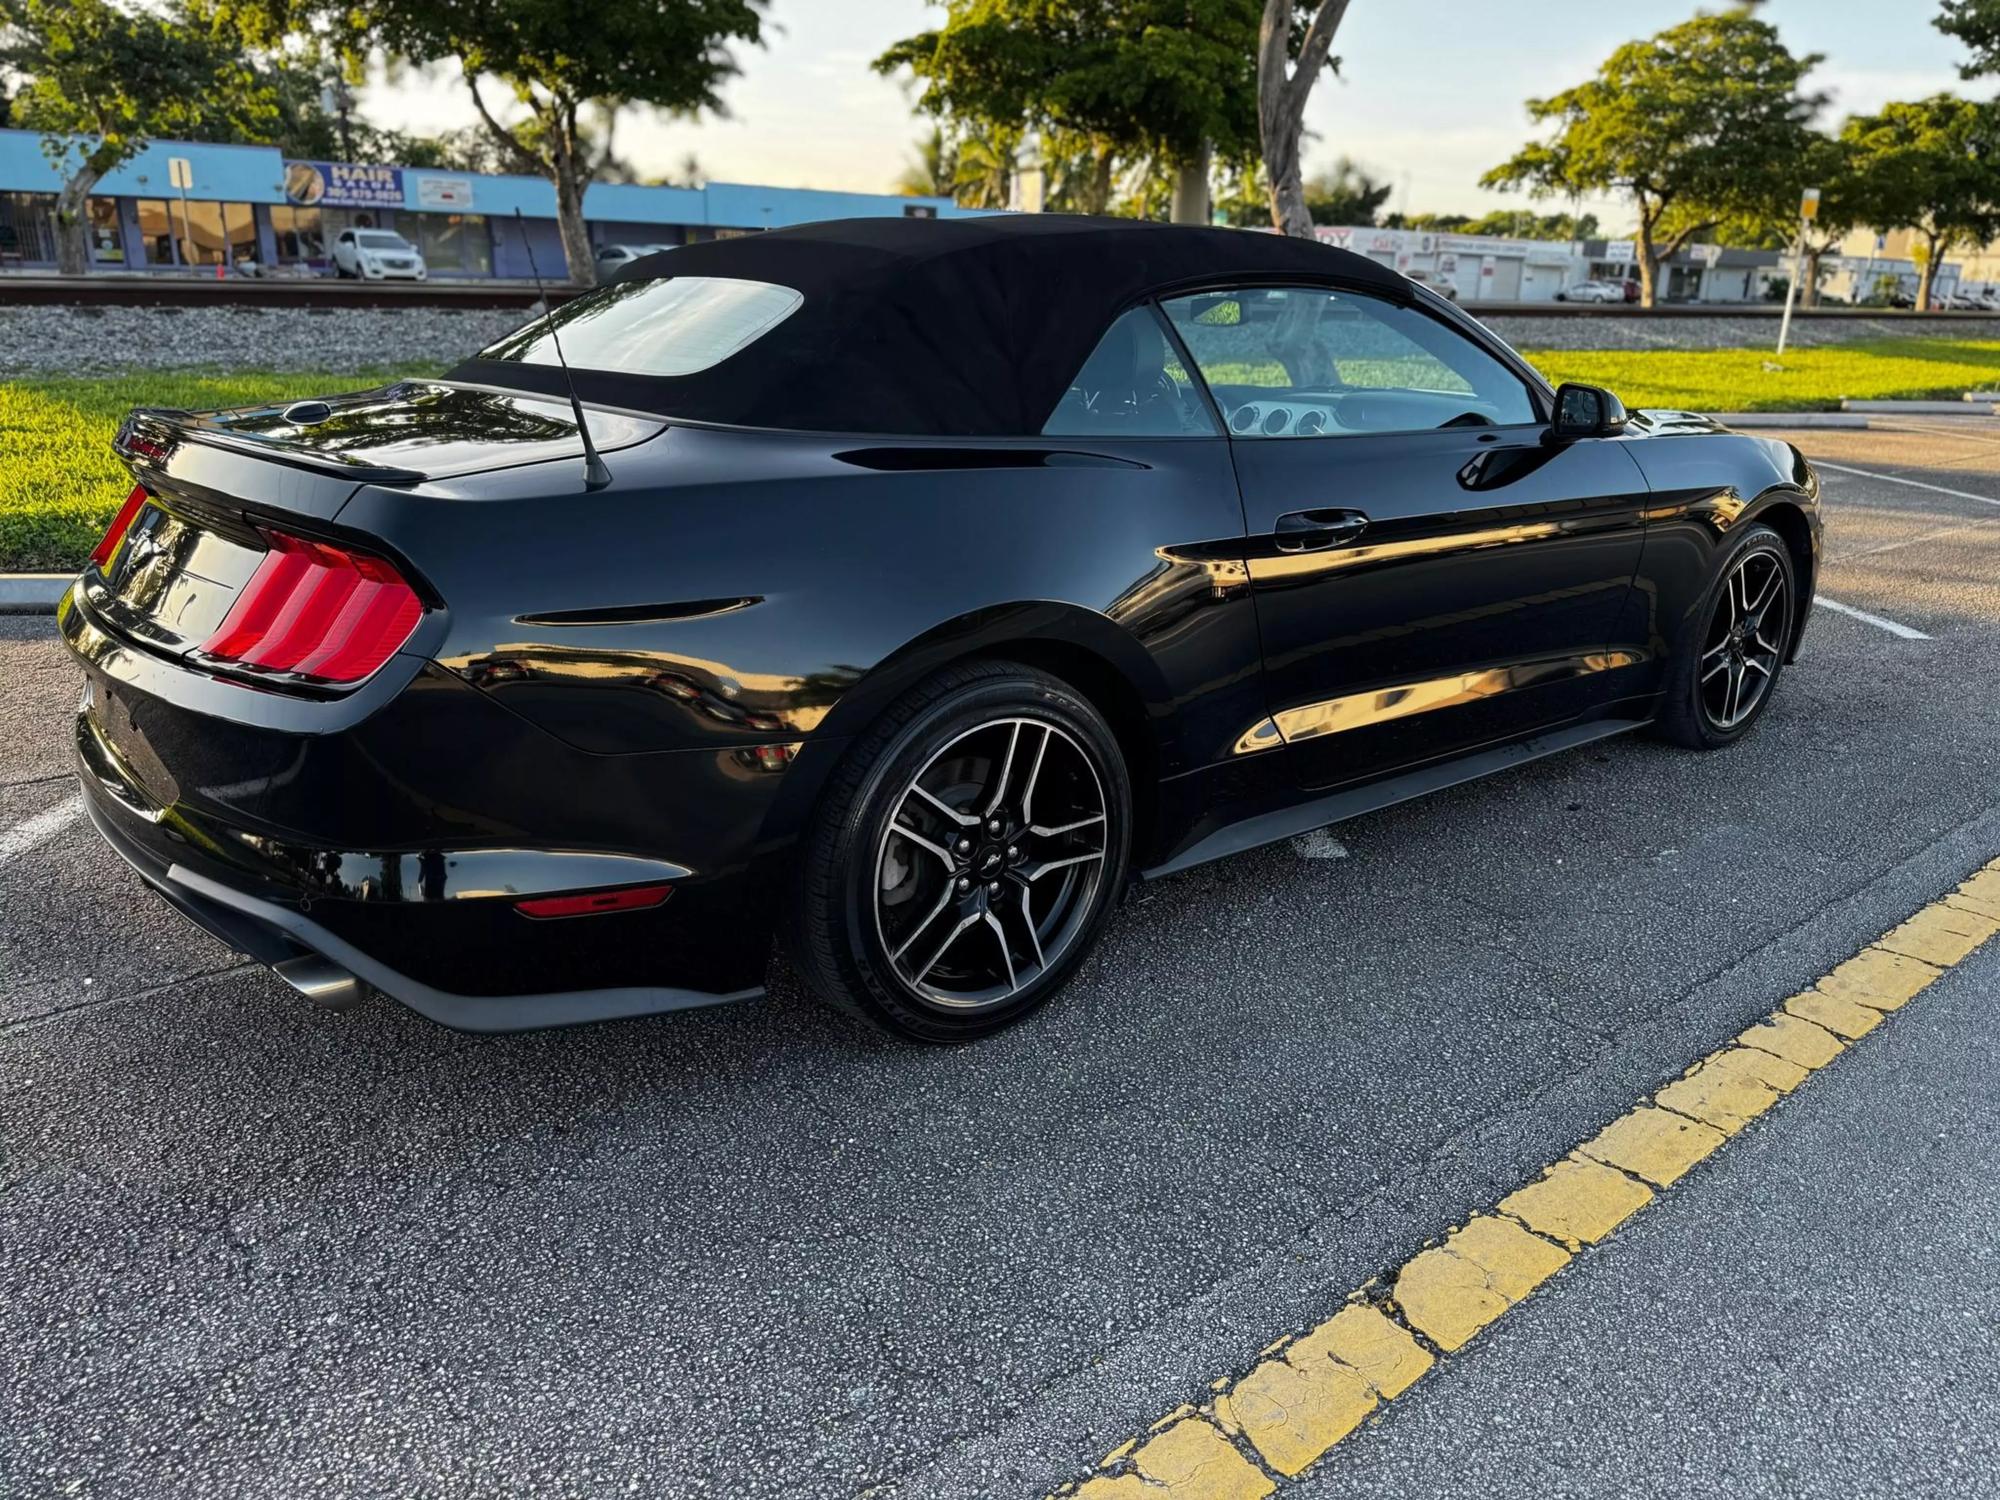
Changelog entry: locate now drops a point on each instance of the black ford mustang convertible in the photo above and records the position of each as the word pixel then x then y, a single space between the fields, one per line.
pixel 901 590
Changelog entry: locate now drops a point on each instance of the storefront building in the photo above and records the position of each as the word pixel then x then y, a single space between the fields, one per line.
pixel 250 207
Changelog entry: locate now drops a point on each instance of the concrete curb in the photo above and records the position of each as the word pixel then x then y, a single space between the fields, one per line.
pixel 1748 419
pixel 1964 406
pixel 31 593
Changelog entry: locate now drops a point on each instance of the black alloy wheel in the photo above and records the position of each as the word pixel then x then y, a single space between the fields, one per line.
pixel 1741 656
pixel 966 855
pixel 1726 669
pixel 987 869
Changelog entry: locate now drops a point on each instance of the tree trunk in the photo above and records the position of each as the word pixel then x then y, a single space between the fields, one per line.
pixel 1649 264
pixel 73 223
pixel 1190 205
pixel 1927 270
pixel 1289 214
pixel 1283 88
pixel 1809 276
pixel 571 180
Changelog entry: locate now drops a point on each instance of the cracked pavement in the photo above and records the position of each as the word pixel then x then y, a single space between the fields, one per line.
pixel 255 1248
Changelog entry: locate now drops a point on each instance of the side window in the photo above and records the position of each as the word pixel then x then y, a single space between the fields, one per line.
pixel 1308 362
pixel 1131 386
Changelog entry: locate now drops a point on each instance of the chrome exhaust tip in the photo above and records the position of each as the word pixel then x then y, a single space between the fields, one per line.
pixel 322 981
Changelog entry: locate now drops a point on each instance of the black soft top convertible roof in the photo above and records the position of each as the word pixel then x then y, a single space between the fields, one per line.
pixel 945 327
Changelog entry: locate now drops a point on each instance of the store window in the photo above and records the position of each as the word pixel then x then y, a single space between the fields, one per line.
pixel 454 242
pixel 107 240
pixel 159 227
pixel 300 234
pixel 27 226
pixel 215 234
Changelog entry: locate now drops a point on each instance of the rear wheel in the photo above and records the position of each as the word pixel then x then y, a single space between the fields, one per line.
pixel 1727 662
pixel 966 856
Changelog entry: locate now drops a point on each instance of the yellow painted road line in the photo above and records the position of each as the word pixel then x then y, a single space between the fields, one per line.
pixel 1306 1392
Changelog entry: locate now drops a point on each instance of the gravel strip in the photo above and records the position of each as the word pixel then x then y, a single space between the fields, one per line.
pixel 43 340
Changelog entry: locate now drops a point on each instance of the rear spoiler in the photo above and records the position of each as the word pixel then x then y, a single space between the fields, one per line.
pixel 151 433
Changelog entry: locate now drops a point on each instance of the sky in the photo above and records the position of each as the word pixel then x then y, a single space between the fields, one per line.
pixel 1430 93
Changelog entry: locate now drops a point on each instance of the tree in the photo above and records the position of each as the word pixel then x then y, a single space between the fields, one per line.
pixel 1932 167
pixel 1289 62
pixel 929 173
pixel 1344 193
pixel 1977 24
pixel 1172 81
pixel 1705 120
pixel 100 81
pixel 556 59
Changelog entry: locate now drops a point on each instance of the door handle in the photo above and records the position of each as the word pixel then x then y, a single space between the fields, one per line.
pixel 1315 530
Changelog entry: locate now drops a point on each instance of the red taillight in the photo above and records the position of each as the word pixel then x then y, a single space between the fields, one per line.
pixel 632 898
pixel 120 524
pixel 318 612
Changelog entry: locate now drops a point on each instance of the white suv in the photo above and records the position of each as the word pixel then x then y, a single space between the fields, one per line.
pixel 376 254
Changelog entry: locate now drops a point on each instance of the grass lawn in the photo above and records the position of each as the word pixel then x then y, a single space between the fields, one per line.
pixel 1756 380
pixel 60 482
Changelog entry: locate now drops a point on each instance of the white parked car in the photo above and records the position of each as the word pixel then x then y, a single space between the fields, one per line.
pixel 1435 282
pixel 612 257
pixel 1592 291
pixel 376 255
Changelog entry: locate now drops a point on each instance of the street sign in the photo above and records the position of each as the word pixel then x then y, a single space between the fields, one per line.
pixel 1809 204
pixel 180 172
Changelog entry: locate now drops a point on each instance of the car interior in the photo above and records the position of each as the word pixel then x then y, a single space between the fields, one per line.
pixel 1289 362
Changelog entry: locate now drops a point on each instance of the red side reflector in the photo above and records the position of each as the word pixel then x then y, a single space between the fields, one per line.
pixel 632 898
pixel 121 523
pixel 318 612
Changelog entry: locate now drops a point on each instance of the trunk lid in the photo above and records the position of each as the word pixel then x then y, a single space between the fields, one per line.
pixel 217 483
pixel 395 434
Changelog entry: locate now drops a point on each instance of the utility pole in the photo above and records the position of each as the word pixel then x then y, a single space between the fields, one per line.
pixel 1808 211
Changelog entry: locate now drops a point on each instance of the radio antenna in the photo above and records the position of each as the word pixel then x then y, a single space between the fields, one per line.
pixel 595 475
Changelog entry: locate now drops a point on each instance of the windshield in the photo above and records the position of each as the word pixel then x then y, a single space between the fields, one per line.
pixel 380 241
pixel 669 326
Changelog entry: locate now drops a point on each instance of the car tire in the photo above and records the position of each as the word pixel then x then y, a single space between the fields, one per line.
pixel 933 930
pixel 1735 642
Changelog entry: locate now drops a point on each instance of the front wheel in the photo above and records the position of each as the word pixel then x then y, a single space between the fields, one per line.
pixel 966 855
pixel 1731 650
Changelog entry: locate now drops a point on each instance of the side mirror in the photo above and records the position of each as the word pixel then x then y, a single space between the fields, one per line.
pixel 1585 411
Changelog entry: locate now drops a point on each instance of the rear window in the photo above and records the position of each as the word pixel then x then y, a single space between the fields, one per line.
pixel 675 325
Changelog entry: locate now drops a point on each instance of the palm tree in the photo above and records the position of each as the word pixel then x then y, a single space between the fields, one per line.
pixel 932 172
pixel 984 170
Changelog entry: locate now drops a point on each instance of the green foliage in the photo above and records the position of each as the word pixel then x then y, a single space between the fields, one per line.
pixel 100 80
pixel 1344 193
pixel 59 481
pixel 1704 121
pixel 1720 380
pixel 930 172
pixel 1977 24
pixel 555 57
pixel 1137 77
pixel 1932 166
pixel 1503 223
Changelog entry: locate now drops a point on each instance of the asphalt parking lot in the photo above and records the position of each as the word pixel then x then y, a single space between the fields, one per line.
pixel 251 1248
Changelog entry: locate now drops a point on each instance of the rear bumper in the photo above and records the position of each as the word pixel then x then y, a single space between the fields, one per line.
pixel 279 936
pixel 396 848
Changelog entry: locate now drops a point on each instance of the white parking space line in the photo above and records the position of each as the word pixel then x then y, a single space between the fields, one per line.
pixel 1877 621
pixel 1915 484
pixel 1909 541
pixel 39 829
